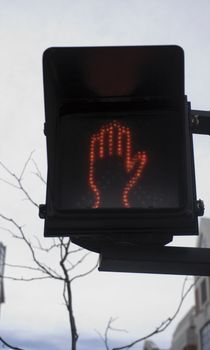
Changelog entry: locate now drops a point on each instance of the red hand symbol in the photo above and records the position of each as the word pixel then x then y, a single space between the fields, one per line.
pixel 114 139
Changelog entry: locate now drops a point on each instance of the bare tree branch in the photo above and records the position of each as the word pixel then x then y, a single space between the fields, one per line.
pixel 78 261
pixel 11 232
pixel 24 279
pixel 7 170
pixel 54 273
pixel 109 327
pixel 9 183
pixel 25 267
pixel 9 345
pixel 38 172
pixel 18 179
pixel 117 329
pixel 46 250
pixel 60 245
pixel 100 336
pixel 85 273
pixel 67 291
pixel 25 166
pixel 165 324
pixel 22 235
pixel 64 293
pixel 75 250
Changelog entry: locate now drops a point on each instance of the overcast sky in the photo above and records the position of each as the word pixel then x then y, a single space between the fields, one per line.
pixel 34 315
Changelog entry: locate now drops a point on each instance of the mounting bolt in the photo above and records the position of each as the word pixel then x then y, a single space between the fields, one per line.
pixel 195 120
pixel 42 211
pixel 200 207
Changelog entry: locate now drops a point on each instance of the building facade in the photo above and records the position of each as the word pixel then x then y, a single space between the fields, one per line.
pixel 202 293
pixel 150 345
pixel 185 336
pixel 193 332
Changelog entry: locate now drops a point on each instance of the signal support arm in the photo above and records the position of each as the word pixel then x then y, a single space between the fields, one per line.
pixel 152 259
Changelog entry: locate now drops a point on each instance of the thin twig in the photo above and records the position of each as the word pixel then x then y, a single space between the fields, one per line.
pixel 38 173
pixel 25 165
pixel 18 232
pixel 25 267
pixel 46 250
pixel 109 327
pixel 55 273
pixel 18 179
pixel 64 293
pixel 75 250
pixel 9 183
pixel 165 324
pixel 11 232
pixel 85 273
pixel 78 261
pixel 22 234
pixel 24 279
pixel 9 345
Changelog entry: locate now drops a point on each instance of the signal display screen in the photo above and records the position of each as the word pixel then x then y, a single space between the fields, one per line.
pixel 119 161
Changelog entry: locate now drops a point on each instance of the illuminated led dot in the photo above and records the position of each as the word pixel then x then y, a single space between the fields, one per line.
pixel 110 133
pixel 101 142
pixel 119 142
pixel 92 158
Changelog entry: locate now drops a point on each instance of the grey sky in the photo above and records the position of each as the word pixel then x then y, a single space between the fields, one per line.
pixel 27 28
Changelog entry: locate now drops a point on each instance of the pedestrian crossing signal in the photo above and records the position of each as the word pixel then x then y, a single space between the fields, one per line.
pixel 119 145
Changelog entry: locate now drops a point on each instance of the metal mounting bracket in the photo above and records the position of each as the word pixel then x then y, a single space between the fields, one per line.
pixel 200 122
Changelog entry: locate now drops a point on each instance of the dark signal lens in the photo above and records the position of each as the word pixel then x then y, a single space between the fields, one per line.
pixel 130 161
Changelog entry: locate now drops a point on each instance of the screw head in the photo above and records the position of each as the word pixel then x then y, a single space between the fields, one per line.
pixel 200 207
